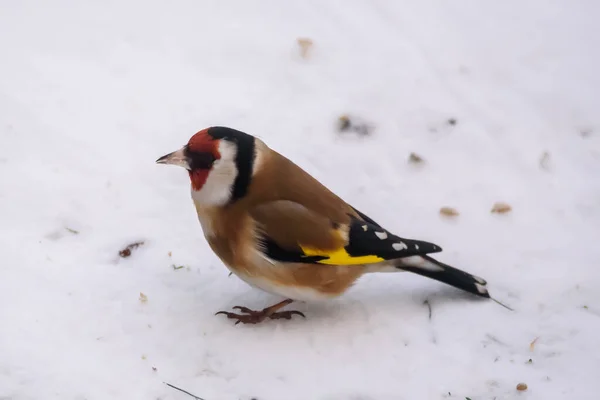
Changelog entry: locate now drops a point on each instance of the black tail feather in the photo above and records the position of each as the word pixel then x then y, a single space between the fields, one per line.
pixel 431 268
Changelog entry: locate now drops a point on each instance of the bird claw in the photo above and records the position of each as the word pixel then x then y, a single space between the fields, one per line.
pixel 245 310
pixel 286 314
pixel 254 317
pixel 246 319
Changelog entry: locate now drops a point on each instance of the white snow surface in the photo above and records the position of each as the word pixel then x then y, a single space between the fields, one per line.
pixel 92 93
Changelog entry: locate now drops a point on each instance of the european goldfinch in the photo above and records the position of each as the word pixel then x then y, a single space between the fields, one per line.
pixel 280 230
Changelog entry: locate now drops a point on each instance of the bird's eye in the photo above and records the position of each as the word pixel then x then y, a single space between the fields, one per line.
pixel 201 160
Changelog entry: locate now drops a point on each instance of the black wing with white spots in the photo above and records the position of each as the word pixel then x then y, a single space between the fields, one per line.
pixel 365 238
pixel 367 243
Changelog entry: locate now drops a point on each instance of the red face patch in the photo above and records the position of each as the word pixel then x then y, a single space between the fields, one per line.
pixel 202 142
pixel 198 178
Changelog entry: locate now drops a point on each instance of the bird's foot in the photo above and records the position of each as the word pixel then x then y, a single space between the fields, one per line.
pixel 254 317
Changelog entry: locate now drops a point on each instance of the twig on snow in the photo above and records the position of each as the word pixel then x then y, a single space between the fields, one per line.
pixel 426 302
pixel 126 252
pixel 186 392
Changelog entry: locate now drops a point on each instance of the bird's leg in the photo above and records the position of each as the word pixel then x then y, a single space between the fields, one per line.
pixel 254 317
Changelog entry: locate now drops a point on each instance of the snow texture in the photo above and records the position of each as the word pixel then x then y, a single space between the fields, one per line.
pixel 499 98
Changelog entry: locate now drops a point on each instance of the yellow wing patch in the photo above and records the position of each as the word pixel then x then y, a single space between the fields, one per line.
pixel 359 243
pixel 340 257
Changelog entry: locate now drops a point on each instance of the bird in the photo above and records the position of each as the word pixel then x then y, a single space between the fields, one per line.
pixel 280 230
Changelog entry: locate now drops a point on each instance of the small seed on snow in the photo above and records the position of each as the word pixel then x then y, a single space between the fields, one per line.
pixel 521 387
pixel 344 123
pixel 143 297
pixel 449 211
pixel 305 45
pixel 415 158
pixel 532 344
pixel 501 208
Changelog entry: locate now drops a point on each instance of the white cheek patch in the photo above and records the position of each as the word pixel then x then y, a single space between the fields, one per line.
pixel 259 151
pixel 218 187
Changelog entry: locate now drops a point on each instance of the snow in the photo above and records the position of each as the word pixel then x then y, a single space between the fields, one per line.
pixel 92 93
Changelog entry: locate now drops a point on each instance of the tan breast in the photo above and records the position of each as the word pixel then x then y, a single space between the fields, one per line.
pixel 230 234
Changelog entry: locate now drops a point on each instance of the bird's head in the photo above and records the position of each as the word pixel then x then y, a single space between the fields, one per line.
pixel 220 162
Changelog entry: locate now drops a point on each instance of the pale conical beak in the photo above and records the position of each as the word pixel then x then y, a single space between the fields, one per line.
pixel 175 158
